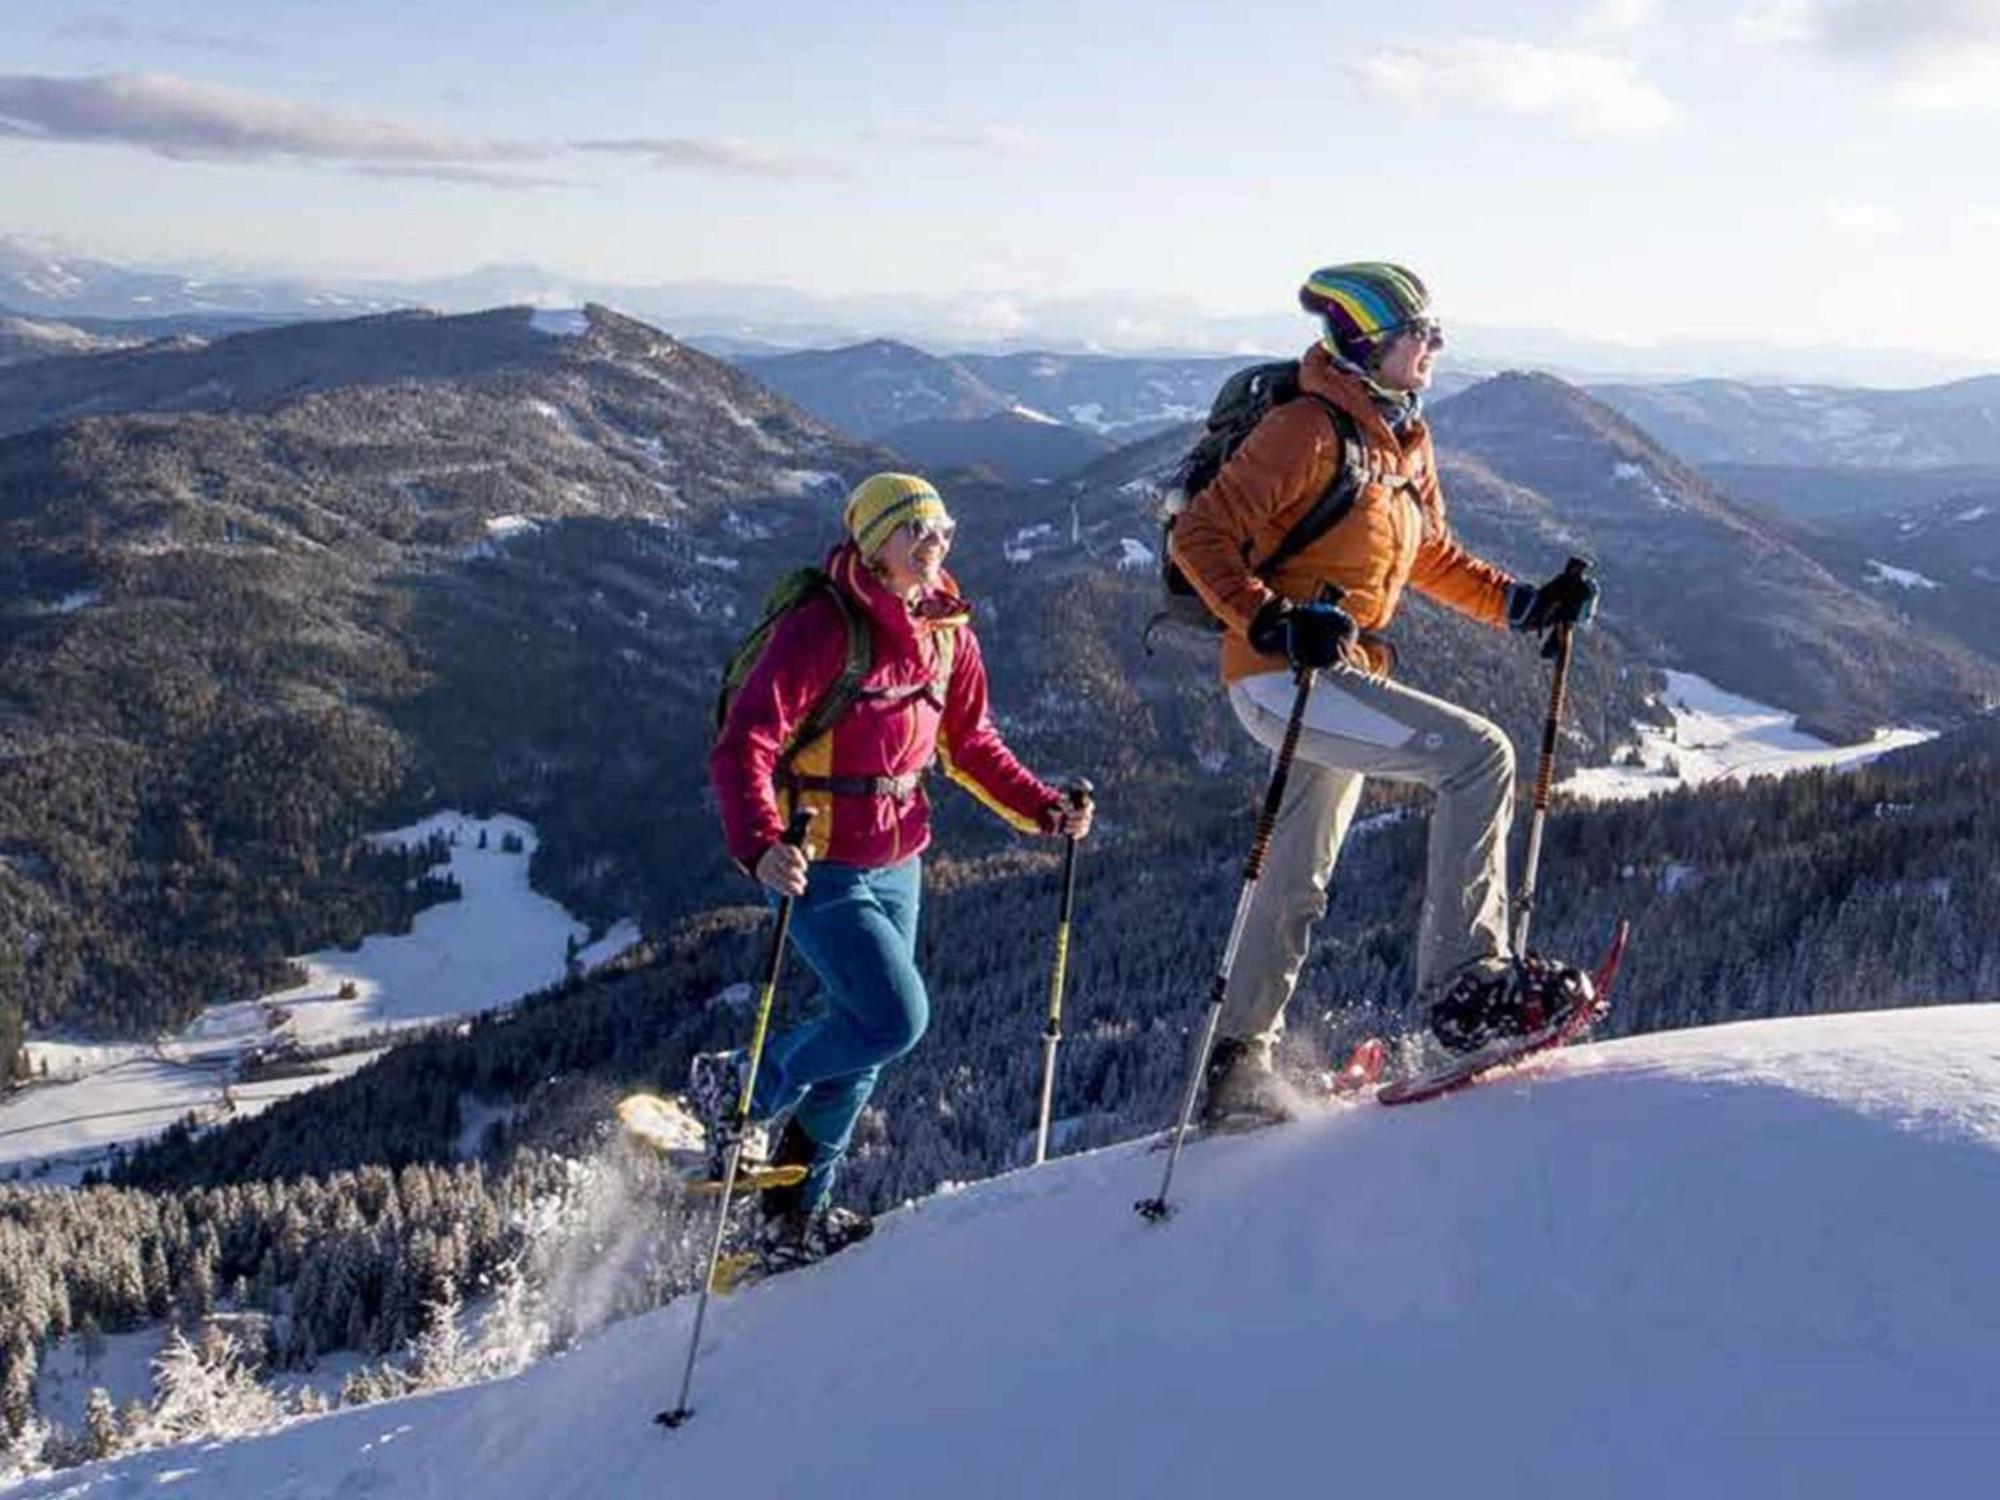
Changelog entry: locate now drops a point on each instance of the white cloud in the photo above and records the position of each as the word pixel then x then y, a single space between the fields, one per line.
pixel 1939 56
pixel 1870 223
pixel 1776 23
pixel 1002 139
pixel 1595 93
pixel 464 176
pixel 181 117
pixel 1966 82
pixel 1610 21
pixel 184 119
pixel 714 154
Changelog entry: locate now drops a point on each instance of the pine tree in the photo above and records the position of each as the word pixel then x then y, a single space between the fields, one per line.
pixel 513 1333
pixel 203 1392
pixel 101 1436
pixel 438 1355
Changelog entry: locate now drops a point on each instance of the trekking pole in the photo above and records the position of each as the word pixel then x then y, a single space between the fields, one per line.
pixel 1156 1209
pixel 795 835
pixel 1079 796
pixel 1558 648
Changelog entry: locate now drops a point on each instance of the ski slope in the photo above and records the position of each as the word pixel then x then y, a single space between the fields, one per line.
pixel 1750 1261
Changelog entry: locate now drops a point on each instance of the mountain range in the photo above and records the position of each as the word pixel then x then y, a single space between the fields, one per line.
pixel 41 279
pixel 1818 426
pixel 261 590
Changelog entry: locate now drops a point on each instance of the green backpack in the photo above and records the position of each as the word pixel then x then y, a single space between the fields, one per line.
pixel 795 590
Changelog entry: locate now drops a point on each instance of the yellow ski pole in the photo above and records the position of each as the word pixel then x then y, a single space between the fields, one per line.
pixel 1079 795
pixel 795 835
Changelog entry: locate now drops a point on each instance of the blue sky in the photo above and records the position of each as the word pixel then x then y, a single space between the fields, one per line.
pixel 1800 171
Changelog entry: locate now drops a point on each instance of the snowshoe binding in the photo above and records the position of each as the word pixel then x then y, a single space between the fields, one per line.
pixel 713 1093
pixel 788 1241
pixel 1509 999
pixel 1486 1028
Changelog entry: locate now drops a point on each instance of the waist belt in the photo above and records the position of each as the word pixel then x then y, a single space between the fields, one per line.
pixel 895 788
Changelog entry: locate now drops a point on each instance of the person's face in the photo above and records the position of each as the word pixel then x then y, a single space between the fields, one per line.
pixel 913 556
pixel 1406 364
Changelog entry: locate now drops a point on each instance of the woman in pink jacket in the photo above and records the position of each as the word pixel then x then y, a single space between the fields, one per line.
pixel 854 913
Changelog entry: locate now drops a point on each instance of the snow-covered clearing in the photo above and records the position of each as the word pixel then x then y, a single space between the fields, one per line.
pixel 1750 1261
pixel 497 943
pixel 1029 414
pixel 488 949
pixel 1134 556
pixel 1903 578
pixel 794 484
pixel 1719 736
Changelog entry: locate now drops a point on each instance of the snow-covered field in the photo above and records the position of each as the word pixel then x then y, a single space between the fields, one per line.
pixel 497 943
pixel 1751 1261
pixel 1718 736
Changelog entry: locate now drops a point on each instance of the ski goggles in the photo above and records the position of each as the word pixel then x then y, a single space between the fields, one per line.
pixel 1427 330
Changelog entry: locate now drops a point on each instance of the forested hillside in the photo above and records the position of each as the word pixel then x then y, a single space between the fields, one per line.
pixel 210 623
pixel 1822 892
pixel 342 1218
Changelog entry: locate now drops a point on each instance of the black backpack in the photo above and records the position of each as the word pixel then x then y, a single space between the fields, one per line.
pixel 1244 401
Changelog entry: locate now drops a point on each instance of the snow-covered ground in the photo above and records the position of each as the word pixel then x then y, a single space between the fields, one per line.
pixel 1881 572
pixel 1752 1261
pixel 497 943
pixel 1718 736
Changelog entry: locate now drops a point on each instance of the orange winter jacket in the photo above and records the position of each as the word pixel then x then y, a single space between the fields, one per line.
pixel 1394 536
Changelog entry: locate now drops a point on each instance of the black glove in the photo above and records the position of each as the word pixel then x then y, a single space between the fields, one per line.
pixel 1306 635
pixel 1569 598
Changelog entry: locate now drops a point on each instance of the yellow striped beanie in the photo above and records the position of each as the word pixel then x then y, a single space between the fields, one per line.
pixel 882 502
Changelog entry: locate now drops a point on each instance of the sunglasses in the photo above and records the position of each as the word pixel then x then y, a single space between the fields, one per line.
pixel 924 528
pixel 1428 330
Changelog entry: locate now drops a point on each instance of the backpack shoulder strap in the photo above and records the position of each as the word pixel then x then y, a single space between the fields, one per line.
pixel 840 694
pixel 1335 503
pixel 947 658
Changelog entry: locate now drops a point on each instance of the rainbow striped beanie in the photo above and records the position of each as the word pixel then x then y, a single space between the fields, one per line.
pixel 882 502
pixel 1357 302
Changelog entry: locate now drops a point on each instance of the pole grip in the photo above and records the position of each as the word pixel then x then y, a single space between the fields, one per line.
pixel 796 830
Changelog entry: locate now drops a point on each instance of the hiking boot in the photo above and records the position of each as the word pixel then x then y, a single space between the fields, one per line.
pixel 1500 999
pixel 1241 1085
pixel 714 1090
pixel 799 1238
pixel 794 1149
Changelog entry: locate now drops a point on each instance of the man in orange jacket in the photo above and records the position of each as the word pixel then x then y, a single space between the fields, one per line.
pixel 1373 362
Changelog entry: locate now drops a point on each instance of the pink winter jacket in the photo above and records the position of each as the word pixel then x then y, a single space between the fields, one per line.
pixel 900 723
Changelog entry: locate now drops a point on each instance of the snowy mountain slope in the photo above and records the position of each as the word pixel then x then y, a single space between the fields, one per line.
pixel 866 389
pixel 1734 421
pixel 25 339
pixel 1748 1261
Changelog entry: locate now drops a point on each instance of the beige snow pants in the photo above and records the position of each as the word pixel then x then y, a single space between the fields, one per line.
pixel 1358 726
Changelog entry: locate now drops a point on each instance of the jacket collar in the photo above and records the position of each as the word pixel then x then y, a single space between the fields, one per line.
pixel 1321 375
pixel 940 609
